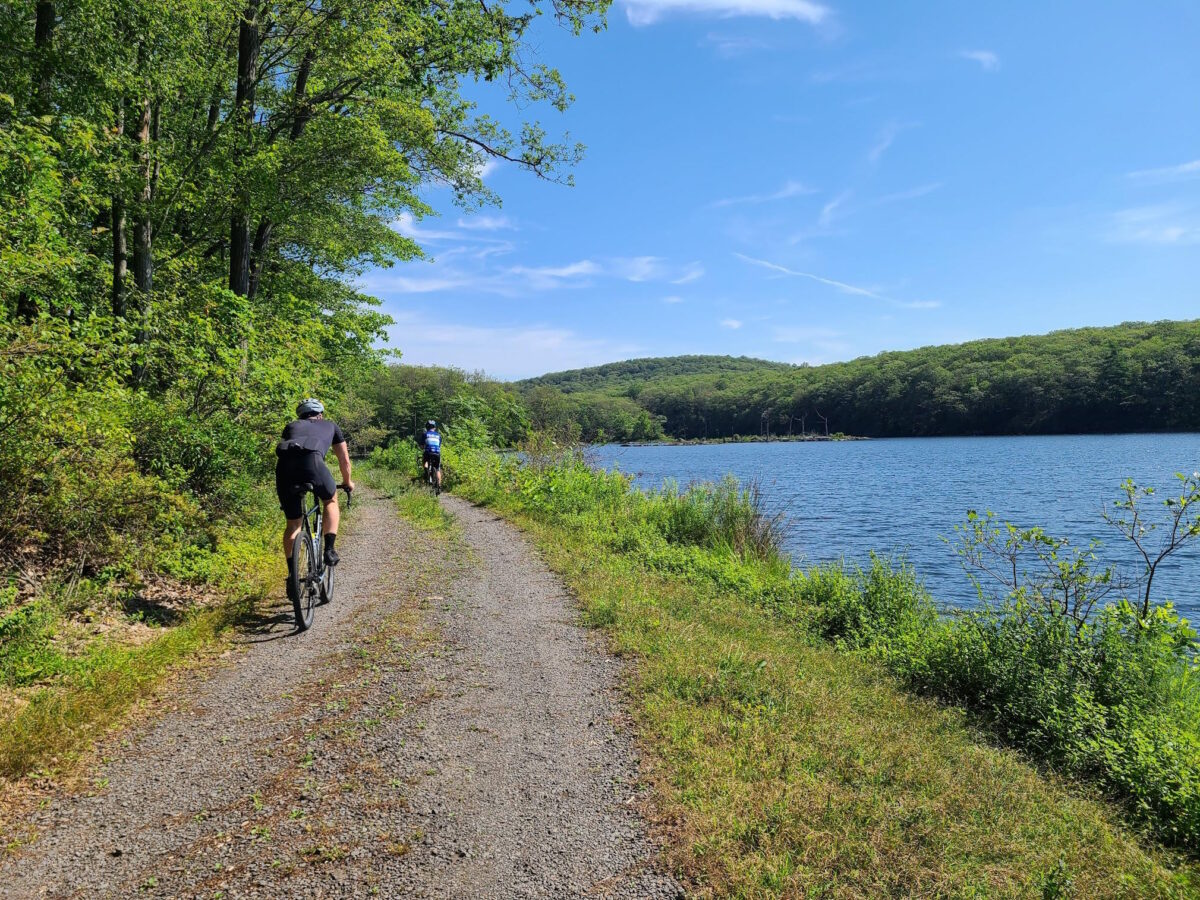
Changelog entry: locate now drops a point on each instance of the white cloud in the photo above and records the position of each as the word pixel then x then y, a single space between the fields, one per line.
pixel 730 45
pixel 516 351
pixel 639 268
pixel 488 167
pixel 672 299
pixel 987 60
pixel 545 278
pixel 842 286
pixel 693 271
pixel 486 223
pixel 732 324
pixel 406 224
pixel 1169 173
pixel 648 12
pixel 910 194
pixel 404 284
pixel 1166 224
pixel 830 208
pixel 467 268
pixel 789 189
pixel 886 138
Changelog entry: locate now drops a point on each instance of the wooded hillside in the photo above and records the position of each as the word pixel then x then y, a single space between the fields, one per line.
pixel 1130 377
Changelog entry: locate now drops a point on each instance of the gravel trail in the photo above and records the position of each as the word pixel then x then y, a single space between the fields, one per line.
pixel 443 730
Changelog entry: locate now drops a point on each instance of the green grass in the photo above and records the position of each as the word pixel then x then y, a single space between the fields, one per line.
pixel 415 502
pixel 782 766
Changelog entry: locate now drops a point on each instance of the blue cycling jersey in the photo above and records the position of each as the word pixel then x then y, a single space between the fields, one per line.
pixel 433 442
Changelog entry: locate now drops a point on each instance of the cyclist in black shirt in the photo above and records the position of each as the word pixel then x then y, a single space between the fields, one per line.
pixel 301 460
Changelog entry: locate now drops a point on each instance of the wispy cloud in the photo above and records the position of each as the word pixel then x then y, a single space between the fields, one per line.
pixel 792 335
pixel 789 189
pixel 448 271
pixel 515 351
pixel 406 224
pixel 887 137
pixel 732 324
pixel 1165 224
pixel 1169 173
pixel 486 223
pixel 488 167
pixel 672 299
pixel 729 46
pixel 987 60
pixel 841 286
pixel 545 278
pixel 840 208
pixel 692 272
pixel 853 73
pixel 911 194
pixel 648 12
pixel 829 210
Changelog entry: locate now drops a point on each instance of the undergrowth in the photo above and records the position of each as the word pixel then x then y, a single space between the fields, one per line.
pixel 76 655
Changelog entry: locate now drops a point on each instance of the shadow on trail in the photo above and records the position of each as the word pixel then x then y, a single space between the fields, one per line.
pixel 260 626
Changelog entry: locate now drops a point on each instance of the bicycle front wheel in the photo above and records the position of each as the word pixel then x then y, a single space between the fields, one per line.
pixel 327 584
pixel 305 566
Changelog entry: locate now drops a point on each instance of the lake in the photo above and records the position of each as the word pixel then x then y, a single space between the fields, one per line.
pixel 904 495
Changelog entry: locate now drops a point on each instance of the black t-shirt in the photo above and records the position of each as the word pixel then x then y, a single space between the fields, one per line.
pixel 309 435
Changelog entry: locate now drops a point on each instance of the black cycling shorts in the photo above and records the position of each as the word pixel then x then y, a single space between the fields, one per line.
pixel 434 459
pixel 295 469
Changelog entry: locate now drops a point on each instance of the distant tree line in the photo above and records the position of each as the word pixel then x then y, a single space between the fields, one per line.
pixel 1130 377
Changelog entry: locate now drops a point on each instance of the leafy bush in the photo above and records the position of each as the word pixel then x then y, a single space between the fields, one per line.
pixel 881 607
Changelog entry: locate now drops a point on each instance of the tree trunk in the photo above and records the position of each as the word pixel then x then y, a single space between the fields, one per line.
pixel 143 261
pixel 120 248
pixel 43 40
pixel 301 113
pixel 239 220
pixel 258 257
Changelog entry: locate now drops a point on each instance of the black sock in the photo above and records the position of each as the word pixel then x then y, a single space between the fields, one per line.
pixel 291 566
pixel 329 539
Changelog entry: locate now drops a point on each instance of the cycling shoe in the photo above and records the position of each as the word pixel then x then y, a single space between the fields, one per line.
pixel 331 557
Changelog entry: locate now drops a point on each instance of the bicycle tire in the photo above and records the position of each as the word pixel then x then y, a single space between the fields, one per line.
pixel 327 584
pixel 304 566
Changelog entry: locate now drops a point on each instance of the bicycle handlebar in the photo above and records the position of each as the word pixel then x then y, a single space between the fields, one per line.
pixel 349 491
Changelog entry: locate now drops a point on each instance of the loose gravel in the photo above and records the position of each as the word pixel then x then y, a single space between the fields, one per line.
pixel 445 729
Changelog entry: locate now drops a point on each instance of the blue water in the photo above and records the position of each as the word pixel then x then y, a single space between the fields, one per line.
pixel 844 499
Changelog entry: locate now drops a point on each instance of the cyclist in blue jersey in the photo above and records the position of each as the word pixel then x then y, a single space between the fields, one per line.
pixel 431 446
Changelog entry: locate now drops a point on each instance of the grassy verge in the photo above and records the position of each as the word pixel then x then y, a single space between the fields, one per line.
pixel 74 658
pixel 415 503
pixel 784 766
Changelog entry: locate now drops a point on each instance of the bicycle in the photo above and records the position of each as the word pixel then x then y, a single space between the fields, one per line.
pixel 431 479
pixel 312 580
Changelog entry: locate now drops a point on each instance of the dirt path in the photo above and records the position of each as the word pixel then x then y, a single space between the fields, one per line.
pixel 444 730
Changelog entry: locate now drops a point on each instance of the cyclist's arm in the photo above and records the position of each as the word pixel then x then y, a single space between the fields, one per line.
pixel 342 452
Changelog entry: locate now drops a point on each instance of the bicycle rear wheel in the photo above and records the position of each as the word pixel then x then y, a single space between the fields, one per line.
pixel 306 569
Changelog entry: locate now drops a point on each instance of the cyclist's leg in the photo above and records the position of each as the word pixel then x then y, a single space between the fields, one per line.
pixel 293 509
pixel 326 489
pixel 438 463
pixel 291 531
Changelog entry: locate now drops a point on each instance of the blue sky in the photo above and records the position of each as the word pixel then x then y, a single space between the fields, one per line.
pixel 812 182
